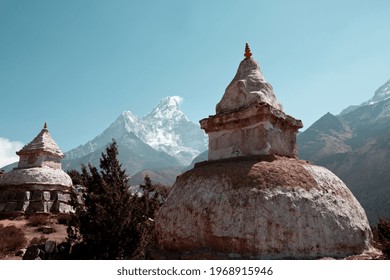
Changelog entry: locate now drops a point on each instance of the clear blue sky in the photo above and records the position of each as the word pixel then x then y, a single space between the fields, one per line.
pixel 79 64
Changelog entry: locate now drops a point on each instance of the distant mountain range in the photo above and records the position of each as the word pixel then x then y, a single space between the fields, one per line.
pixel 164 142
pixel 355 145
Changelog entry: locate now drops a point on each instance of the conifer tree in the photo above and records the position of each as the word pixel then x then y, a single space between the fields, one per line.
pixel 106 225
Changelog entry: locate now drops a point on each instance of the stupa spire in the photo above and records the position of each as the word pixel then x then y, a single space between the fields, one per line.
pixel 34 153
pixel 249 119
pixel 248 87
pixel 247 53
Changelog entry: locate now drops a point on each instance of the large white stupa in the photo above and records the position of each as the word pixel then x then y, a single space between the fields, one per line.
pixel 254 198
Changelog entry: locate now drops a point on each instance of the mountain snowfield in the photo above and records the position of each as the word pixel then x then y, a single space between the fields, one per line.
pixel 165 129
pixel 169 130
pixel 381 94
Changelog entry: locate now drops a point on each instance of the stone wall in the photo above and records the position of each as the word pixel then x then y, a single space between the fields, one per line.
pixel 19 200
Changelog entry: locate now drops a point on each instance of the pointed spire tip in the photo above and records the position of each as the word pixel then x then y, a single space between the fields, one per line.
pixel 45 126
pixel 247 53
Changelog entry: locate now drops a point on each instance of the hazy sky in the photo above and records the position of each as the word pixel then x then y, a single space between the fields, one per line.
pixel 78 64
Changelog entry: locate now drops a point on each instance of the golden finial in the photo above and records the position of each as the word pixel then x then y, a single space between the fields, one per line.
pixel 247 53
pixel 45 126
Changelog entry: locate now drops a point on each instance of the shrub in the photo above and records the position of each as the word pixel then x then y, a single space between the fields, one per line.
pixel 38 220
pixel 12 239
pixel 63 219
pixel 38 240
pixel 382 236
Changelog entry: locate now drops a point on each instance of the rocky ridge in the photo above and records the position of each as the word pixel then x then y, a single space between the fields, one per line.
pixel 355 146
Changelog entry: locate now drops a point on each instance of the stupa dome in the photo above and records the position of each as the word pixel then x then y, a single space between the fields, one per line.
pixel 42 176
pixel 266 207
pixel 254 198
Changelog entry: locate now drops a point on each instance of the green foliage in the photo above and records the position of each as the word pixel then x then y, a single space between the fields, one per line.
pixel 11 240
pixel 76 177
pixel 110 222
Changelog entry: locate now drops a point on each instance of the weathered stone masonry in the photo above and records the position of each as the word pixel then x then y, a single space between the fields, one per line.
pixel 38 184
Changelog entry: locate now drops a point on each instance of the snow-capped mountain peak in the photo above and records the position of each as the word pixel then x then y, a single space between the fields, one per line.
pixel 171 101
pixel 168 108
pixel 165 129
pixel 169 130
pixel 131 123
pixel 382 93
pixel 130 116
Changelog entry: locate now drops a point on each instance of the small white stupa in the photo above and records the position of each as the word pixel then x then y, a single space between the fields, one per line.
pixel 38 184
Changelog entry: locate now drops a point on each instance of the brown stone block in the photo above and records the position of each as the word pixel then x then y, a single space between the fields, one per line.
pixel 20 196
pixel 19 206
pixel 3 196
pixel 37 196
pixel 54 195
pixel 55 207
pixel 10 195
pixel 10 207
pixel 35 206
